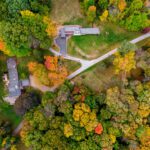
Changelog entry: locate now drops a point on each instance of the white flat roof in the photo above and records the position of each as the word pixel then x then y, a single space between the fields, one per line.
pixel 90 31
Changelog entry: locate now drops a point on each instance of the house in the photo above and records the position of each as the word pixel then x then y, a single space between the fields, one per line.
pixel 12 82
pixel 75 30
pixel 72 30
pixel 13 85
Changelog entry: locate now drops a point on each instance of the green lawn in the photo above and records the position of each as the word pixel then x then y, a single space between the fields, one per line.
pixel 91 46
pixel 7 113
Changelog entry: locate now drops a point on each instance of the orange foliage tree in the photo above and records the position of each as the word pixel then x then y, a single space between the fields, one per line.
pixel 40 72
pixel 50 74
pixel 99 129
pixel 122 5
pixel 51 26
pixel 57 73
pixel 51 63
pixel 3 47
pixel 91 14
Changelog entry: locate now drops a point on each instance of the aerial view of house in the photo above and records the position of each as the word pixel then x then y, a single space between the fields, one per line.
pixel 75 75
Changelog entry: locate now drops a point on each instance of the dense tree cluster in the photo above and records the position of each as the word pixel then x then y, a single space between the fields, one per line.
pixel 121 120
pixel 25 25
pixel 77 118
pixel 133 14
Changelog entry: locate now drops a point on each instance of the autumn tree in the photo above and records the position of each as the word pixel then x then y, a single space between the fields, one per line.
pixel 122 5
pixel 104 16
pixel 6 138
pixel 57 73
pixel 51 27
pixel 40 72
pixel 124 60
pixel 86 117
pixel 91 14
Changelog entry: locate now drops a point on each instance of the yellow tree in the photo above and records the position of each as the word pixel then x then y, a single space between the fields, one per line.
pixel 122 5
pixel 27 13
pixel 68 130
pixel 104 16
pixel 87 118
pixel 124 64
pixel 51 27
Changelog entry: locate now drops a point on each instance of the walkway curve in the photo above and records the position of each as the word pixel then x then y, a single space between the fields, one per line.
pixel 85 64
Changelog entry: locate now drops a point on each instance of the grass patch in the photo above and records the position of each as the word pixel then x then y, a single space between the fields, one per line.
pixel 78 21
pixel 71 65
pixel 7 113
pixel 91 46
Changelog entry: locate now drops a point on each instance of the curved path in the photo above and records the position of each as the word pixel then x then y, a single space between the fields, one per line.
pixel 87 64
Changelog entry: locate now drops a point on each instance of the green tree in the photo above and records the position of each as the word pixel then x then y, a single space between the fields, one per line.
pixel 15 6
pixel 16 36
pixel 103 4
pixel 136 21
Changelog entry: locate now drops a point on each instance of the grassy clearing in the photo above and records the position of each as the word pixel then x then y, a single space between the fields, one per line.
pixel 65 10
pixel 99 77
pixel 102 75
pixel 91 47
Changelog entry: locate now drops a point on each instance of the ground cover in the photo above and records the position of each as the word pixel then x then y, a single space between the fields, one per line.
pixel 65 10
pixel 102 75
pixel 71 65
pixel 2 70
pixel 8 114
pixel 90 47
pixel 98 77
pixel 145 42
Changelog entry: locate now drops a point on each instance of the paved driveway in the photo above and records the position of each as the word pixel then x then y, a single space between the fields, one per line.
pixel 62 43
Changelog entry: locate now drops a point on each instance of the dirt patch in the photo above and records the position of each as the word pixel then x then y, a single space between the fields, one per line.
pixel 65 10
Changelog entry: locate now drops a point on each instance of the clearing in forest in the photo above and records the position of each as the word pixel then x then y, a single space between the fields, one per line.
pixel 65 10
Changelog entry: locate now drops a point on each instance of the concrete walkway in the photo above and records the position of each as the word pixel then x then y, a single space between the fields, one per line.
pixel 35 84
pixel 85 64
